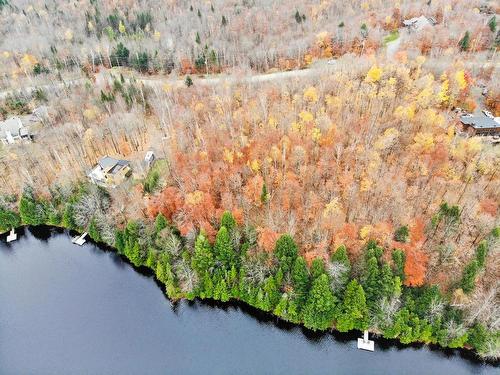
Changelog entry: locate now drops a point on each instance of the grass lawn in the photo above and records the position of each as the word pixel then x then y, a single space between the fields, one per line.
pixel 391 37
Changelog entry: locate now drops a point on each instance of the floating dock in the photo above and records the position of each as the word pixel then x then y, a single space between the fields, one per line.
pixel 365 344
pixel 12 236
pixel 79 240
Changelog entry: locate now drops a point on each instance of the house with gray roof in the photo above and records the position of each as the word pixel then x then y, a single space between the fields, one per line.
pixel 12 130
pixel 110 172
pixel 481 125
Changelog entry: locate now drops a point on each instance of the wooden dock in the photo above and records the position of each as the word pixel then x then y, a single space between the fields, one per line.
pixel 365 344
pixel 79 240
pixel 12 236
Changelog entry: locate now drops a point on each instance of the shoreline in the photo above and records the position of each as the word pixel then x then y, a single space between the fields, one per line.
pixel 44 232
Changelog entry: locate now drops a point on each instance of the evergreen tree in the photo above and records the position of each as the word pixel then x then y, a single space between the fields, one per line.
pixel 386 281
pixel 492 24
pixel 224 21
pixel 469 276
pixel 228 221
pixel 120 55
pixel 151 259
pixel 68 219
pixel 481 254
pixel 353 312
pixel 286 252
pixel 8 219
pixel 398 260
pixel 317 268
pixel 224 251
pixel 119 242
pixel 203 259
pixel 288 309
pixel 300 280
pixel 298 18
pixel 319 310
pixel 402 234
pixel 31 211
pixel 340 255
pixel 189 81
pixel 160 223
pixel 198 39
pixel 464 43
pixel 165 274
pixel 271 295
pixel 477 337
pixel 94 232
pixel 264 195
pixel 370 282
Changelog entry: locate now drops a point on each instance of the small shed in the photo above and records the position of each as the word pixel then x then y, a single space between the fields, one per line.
pixel 149 159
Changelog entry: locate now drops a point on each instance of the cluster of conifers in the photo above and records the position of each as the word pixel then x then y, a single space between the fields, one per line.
pixel 333 293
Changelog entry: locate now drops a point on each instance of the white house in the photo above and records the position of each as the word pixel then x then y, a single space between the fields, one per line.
pixel 13 130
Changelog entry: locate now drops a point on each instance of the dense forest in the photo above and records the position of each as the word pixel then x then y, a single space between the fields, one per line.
pixel 303 166
pixel 370 293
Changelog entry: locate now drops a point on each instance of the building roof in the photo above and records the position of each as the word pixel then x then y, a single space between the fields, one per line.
pixel 11 126
pixel 418 22
pixel 112 165
pixel 480 122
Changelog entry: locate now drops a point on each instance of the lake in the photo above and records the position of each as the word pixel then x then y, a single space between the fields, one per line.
pixel 66 309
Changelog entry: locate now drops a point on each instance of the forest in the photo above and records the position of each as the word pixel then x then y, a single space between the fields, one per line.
pixel 340 195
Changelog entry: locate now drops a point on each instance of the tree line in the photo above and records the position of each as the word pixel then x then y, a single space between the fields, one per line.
pixel 338 292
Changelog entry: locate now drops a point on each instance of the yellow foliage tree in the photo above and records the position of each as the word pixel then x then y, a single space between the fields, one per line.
pixel 374 74
pixel 311 95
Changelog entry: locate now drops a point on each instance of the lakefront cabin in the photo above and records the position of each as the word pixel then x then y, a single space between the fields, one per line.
pixel 110 172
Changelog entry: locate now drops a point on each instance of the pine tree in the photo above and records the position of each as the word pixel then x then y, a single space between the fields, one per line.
pixel 319 311
pixel 224 249
pixel 119 242
pixel 482 253
pixel 32 212
pixel 398 260
pixel 189 81
pixel 469 276
pixel 286 252
pixel 271 294
pixel 317 268
pixel 198 39
pixel 228 221
pixel 264 195
pixel 300 280
pixel 68 219
pixel 492 24
pixel 371 281
pixel 203 258
pixel 298 18
pixel 151 259
pixel 93 231
pixel 287 309
pixel 464 43
pixel 353 312
pixel 386 281
pixel 402 234
pixel 160 223
pixel 8 219
pixel 224 21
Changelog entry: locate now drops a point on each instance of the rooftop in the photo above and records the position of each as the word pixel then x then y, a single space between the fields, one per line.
pixel 11 125
pixel 112 165
pixel 480 122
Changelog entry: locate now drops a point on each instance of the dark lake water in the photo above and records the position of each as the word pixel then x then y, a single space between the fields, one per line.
pixel 66 309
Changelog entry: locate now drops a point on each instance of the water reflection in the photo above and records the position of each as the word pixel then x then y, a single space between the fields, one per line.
pixel 84 310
